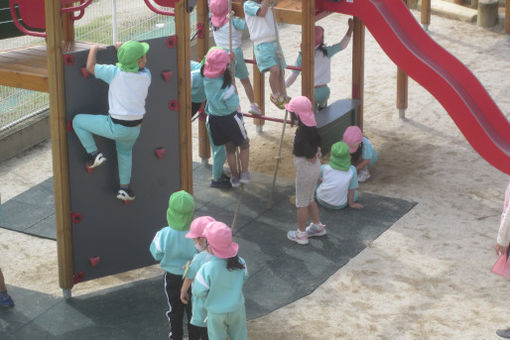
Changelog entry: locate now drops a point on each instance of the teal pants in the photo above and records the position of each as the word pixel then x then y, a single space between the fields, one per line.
pixel 86 126
pixel 329 206
pixel 219 157
pixel 320 97
pixel 232 324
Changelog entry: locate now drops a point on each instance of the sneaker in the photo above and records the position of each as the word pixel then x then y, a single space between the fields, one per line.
pixel 95 161
pixel 125 194
pixel 245 177
pixel 6 301
pixel 316 230
pixel 254 109
pixel 504 333
pixel 363 175
pixel 235 181
pixel 278 101
pixel 300 237
pixel 222 183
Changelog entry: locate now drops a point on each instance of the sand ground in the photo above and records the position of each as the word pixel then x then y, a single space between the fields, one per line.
pixel 427 277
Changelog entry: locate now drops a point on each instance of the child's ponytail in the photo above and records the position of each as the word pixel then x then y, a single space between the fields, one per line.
pixel 356 156
pixel 227 79
pixel 323 49
pixel 234 263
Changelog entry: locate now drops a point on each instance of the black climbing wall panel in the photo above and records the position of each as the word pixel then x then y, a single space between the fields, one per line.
pixel 117 235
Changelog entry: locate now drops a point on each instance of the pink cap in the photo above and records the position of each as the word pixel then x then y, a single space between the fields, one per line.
pixel 198 225
pixel 319 35
pixel 216 63
pixel 353 137
pixel 302 106
pixel 219 237
pixel 219 11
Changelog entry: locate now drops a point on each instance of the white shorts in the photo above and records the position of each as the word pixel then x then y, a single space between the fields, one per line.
pixel 307 177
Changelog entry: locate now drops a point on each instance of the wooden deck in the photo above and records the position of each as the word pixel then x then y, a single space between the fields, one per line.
pixel 286 11
pixel 27 68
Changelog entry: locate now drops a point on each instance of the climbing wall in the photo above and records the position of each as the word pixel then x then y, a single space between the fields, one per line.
pixel 108 236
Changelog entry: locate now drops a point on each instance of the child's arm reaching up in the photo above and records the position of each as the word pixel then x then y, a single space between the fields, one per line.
pixel 263 8
pixel 91 59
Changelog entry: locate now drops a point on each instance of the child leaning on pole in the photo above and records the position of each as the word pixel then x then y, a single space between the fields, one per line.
pixel 219 282
pixel 307 153
pixel 129 82
pixel 173 250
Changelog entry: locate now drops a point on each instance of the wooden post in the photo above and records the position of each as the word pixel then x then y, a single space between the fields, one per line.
pixel 258 91
pixel 308 50
pixel 59 144
pixel 425 14
pixel 358 66
pixel 487 13
pixel 204 147
pixel 402 81
pixel 183 70
pixel 507 17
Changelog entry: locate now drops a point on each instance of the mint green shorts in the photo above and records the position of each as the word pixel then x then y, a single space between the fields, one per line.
pixel 266 55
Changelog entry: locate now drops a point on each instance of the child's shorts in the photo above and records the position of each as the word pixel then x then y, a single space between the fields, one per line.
pixel 321 96
pixel 241 71
pixel 307 176
pixel 266 55
pixel 226 129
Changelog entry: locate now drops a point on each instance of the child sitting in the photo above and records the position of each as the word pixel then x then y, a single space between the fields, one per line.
pixel 322 65
pixel 307 153
pixel 221 34
pixel 225 123
pixel 198 311
pixel 363 154
pixel 339 180
pixel 219 282
pixel 129 84
pixel 172 249
pixel 268 54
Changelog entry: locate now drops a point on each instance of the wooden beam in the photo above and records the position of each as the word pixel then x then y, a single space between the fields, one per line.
pixel 308 50
pixel 358 66
pixel 507 17
pixel 425 13
pixel 67 26
pixel 204 147
pixel 402 83
pixel 59 143
pixel 183 71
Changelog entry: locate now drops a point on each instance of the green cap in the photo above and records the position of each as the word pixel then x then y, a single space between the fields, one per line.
pixel 340 158
pixel 129 53
pixel 181 207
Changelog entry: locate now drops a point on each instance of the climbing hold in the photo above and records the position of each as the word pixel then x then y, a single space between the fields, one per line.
pixel 68 59
pixel 171 42
pixel 69 125
pixel 89 170
pixel 78 277
pixel 160 152
pixel 200 30
pixel 166 75
pixel 84 72
pixel 94 261
pixel 76 217
pixel 126 202
pixel 173 105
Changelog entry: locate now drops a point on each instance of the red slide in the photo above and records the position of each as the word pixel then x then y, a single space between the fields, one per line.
pixel 446 78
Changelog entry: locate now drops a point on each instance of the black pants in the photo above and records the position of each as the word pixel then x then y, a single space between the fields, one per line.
pixel 176 310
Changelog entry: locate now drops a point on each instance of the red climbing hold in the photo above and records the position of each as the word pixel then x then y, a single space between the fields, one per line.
pixel 166 75
pixel 69 125
pixel 68 59
pixel 171 42
pixel 89 170
pixel 94 261
pixel 200 30
pixel 126 202
pixel 78 277
pixel 160 152
pixel 76 217
pixel 173 105
pixel 84 72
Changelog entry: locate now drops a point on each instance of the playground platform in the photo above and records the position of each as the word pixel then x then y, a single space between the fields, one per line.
pixel 280 270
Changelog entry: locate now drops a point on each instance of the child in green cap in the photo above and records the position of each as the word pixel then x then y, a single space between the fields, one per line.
pixel 173 250
pixel 129 84
pixel 339 180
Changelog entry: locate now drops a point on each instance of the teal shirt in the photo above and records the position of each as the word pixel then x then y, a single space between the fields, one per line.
pixel 221 289
pixel 199 313
pixel 368 151
pixel 197 262
pixel 172 249
pixel 197 83
pixel 220 102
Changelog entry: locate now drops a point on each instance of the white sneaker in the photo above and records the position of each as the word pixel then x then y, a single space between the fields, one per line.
pixel 300 237
pixel 234 181
pixel 363 175
pixel 316 230
pixel 254 109
pixel 245 177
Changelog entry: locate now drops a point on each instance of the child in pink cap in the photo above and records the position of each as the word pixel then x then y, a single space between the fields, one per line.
pixel 307 154
pixel 221 34
pixel 363 154
pixel 225 123
pixel 322 65
pixel 198 312
pixel 220 283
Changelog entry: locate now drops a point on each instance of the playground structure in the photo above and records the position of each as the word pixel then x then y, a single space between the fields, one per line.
pixel 398 34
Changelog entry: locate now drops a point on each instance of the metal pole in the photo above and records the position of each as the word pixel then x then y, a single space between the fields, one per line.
pixel 114 21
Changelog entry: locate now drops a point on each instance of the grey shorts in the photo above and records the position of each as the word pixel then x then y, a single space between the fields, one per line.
pixel 307 177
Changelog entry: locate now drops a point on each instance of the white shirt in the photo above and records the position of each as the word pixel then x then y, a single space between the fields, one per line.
pixel 221 35
pixel 262 29
pixel 335 185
